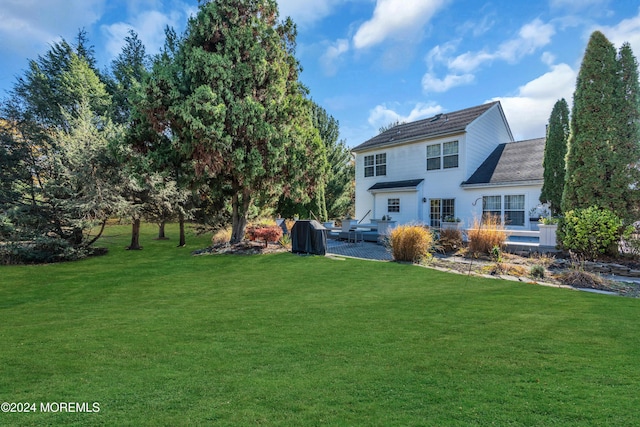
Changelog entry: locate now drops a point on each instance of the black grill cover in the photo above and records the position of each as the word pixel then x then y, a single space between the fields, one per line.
pixel 309 237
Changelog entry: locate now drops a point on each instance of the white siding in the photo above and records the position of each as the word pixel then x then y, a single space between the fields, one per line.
pixel 531 200
pixel 484 135
pixel 409 161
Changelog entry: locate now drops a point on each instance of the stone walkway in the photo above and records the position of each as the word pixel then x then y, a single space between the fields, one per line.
pixel 365 250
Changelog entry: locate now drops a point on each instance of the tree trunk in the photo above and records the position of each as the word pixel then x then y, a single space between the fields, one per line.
pixel 240 210
pixel 161 235
pixel 183 240
pixel 135 235
pixel 92 241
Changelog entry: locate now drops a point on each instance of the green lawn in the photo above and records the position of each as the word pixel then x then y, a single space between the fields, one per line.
pixel 158 337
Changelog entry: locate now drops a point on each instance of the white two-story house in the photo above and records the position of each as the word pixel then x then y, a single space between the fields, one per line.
pixel 460 164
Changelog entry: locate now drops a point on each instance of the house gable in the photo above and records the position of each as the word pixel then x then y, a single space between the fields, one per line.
pixel 510 164
pixel 439 125
pixel 445 166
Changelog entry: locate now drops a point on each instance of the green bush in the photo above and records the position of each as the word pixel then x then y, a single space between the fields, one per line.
pixel 537 271
pixel 6 226
pixel 592 232
pixel 410 243
pixel 41 250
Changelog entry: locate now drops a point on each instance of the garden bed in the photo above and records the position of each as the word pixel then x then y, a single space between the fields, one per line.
pixel 614 276
pixel 246 247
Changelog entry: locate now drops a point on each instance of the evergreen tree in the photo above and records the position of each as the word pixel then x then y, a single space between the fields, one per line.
pixel 340 174
pixel 67 186
pixel 590 163
pixel 555 152
pixel 627 152
pixel 151 136
pixel 336 196
pixel 237 108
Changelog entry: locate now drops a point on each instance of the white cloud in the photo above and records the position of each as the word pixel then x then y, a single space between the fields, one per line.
pixel 628 30
pixel 304 13
pixel 382 116
pixel 430 83
pixel 149 25
pixel 396 19
pixel 531 37
pixel 528 112
pixel 332 55
pixel 27 26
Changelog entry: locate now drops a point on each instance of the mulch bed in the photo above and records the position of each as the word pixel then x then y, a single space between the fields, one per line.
pixel 243 248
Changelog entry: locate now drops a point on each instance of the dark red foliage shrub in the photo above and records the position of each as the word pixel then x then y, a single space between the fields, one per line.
pixel 265 234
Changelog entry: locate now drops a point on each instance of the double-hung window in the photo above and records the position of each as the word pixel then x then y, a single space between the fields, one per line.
pixel 514 210
pixel 450 155
pixel 393 205
pixel 442 156
pixel 492 206
pixel 375 165
pixel 511 212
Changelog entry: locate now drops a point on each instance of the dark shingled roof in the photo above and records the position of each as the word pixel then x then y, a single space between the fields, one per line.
pixel 440 124
pixel 396 184
pixel 511 163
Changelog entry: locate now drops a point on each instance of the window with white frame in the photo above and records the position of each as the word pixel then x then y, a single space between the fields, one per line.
pixel 511 212
pixel 441 209
pixel 492 205
pixel 514 210
pixel 393 205
pixel 442 156
pixel 375 165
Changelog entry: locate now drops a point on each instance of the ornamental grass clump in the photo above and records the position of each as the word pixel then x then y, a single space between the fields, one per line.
pixel 410 243
pixel 486 235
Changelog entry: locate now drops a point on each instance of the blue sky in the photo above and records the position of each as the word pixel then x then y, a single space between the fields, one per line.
pixel 371 62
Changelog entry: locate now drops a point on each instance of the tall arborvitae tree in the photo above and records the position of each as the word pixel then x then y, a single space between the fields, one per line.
pixel 627 152
pixel 237 108
pixel 341 171
pixel 590 161
pixel 555 152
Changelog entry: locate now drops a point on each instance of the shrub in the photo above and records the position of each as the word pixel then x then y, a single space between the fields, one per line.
pixel 410 243
pixel 496 253
pixel 450 240
pixel 41 250
pixel 266 234
pixel 537 271
pixel 221 236
pixel 592 232
pixel 285 241
pixel 486 235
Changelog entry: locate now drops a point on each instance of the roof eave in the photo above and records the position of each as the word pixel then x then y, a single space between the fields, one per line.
pixel 409 141
pixel 504 184
pixel 394 190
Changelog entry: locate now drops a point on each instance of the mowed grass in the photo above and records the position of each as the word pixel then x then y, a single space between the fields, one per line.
pixel 159 337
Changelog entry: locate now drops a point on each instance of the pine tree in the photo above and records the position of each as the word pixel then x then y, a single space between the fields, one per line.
pixel 555 152
pixel 57 131
pixel 590 164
